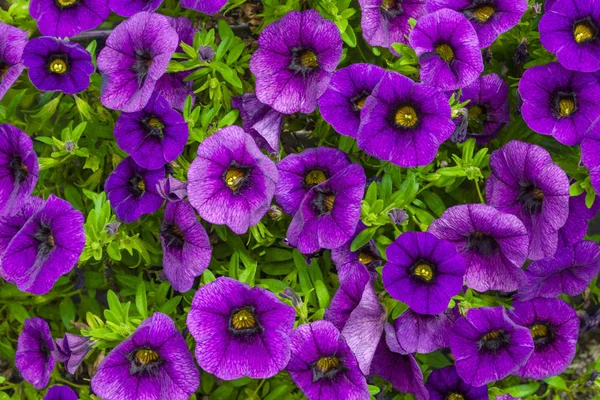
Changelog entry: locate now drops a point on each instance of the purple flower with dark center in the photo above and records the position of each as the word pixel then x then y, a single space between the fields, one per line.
pixel 231 182
pixel 576 226
pixel 131 7
pixel 570 272
pixel 419 333
pixel 18 167
pixel 494 245
pixel 47 247
pixel 571 29
pixel 385 22
pixel 260 121
pixel 393 364
pixel 448 50
pixel 423 272
pixel 329 213
pixel 488 107
pixel 489 18
pixel 60 393
pixel 488 346
pixel 172 85
pixel 67 18
pixel 186 248
pixel 299 173
pixel 136 55
pixel 526 183
pixel 153 363
pixel 445 384
pixel 71 350
pixel 346 94
pixel 172 189
pixel 132 190
pixel 12 42
pixel 590 153
pixel 240 331
pixel 554 326
pixel 564 106
pixel 33 358
pixel 350 262
pixel 154 136
pixel 404 122
pixel 58 65
pixel 204 6
pixel 295 59
pixel 322 364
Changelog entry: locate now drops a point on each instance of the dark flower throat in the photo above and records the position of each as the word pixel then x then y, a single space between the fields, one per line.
pixel 173 235
pixel 324 201
pixel 326 368
pixel 65 4
pixel 236 177
pixel 482 243
pixel 494 341
pixel 58 64
pixel 137 186
pixel 304 60
pixel 143 62
pixel 542 334
pixel 144 360
pixel 564 104
pixel 423 271
pixel 3 69
pixel 390 9
pixel 585 31
pixel 531 198
pixel 480 11
pixel 243 322
pixel 154 127
pixel 45 238
pixel 19 169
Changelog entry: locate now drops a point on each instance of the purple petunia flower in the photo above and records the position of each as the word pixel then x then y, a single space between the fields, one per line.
pixel 526 183
pixel 131 7
pixel 322 364
pixel 136 55
pixel 231 182
pixel 172 85
pixel 260 121
pixel 186 248
pixel 488 346
pixel 45 248
pixel 132 190
pixel 570 271
pixel 12 42
pixel 66 18
pixel 445 384
pixel 172 189
pixel 488 107
pixel 60 393
pixel 33 358
pixel 448 50
pixel 385 22
pixel 154 136
pixel 393 364
pixel 347 297
pixel 404 122
pixel 153 363
pixel 576 226
pixel 554 326
pixel 18 167
pixel 13 220
pixel 299 173
pixel 590 153
pixel 56 64
pixel 346 94
pixel 423 272
pixel 329 213
pixel 419 333
pixel 494 245
pixel 240 331
pixel 571 29
pixel 295 59
pixel 350 262
pixel 489 18
pixel 71 350
pixel 204 6
pixel 564 106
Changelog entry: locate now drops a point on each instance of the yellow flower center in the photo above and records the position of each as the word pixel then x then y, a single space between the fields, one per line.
pixel 141 185
pixel 475 112
pixel 388 4
pixel 537 193
pixel 360 103
pixel 234 177
pixel 51 241
pixel 58 66
pixel 455 396
pixel 146 356
pixel 539 331
pixel 365 257
pixel 491 336
pixel 406 116
pixel 314 177
pixel 329 201
pixel 424 271
pixel 566 106
pixel 155 123
pixel 445 52
pixel 243 319
pixel 308 59
pixel 326 364
pixel 484 12
pixel 66 3
pixel 583 32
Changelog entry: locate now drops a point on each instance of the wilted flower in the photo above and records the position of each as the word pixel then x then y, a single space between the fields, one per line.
pixel 260 121
pixel 172 189
pixel 448 50
pixel 404 122
pixel 419 333
pixel 33 358
pixel 240 331
pixel 12 42
pixel 445 384
pixel 66 18
pixel 522 55
pixel 553 324
pixel 488 346
pixel 295 59
pixel 206 53
pixel 153 363
pixel 526 183
pixel 71 350
pixel 136 55
pixel 60 393
pixel 131 7
pixel 398 216
pixel 231 182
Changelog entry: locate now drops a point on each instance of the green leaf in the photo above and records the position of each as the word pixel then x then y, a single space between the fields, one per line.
pixel 556 382
pixel 141 302
pixel 590 197
pixel 434 202
pixel 67 311
pixel 371 195
pixel 170 305
pixel 362 238
pixel 523 390
pixel 322 294
pixel 19 312
pixel 576 189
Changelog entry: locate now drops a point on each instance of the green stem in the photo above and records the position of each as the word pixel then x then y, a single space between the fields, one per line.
pixel 479 192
